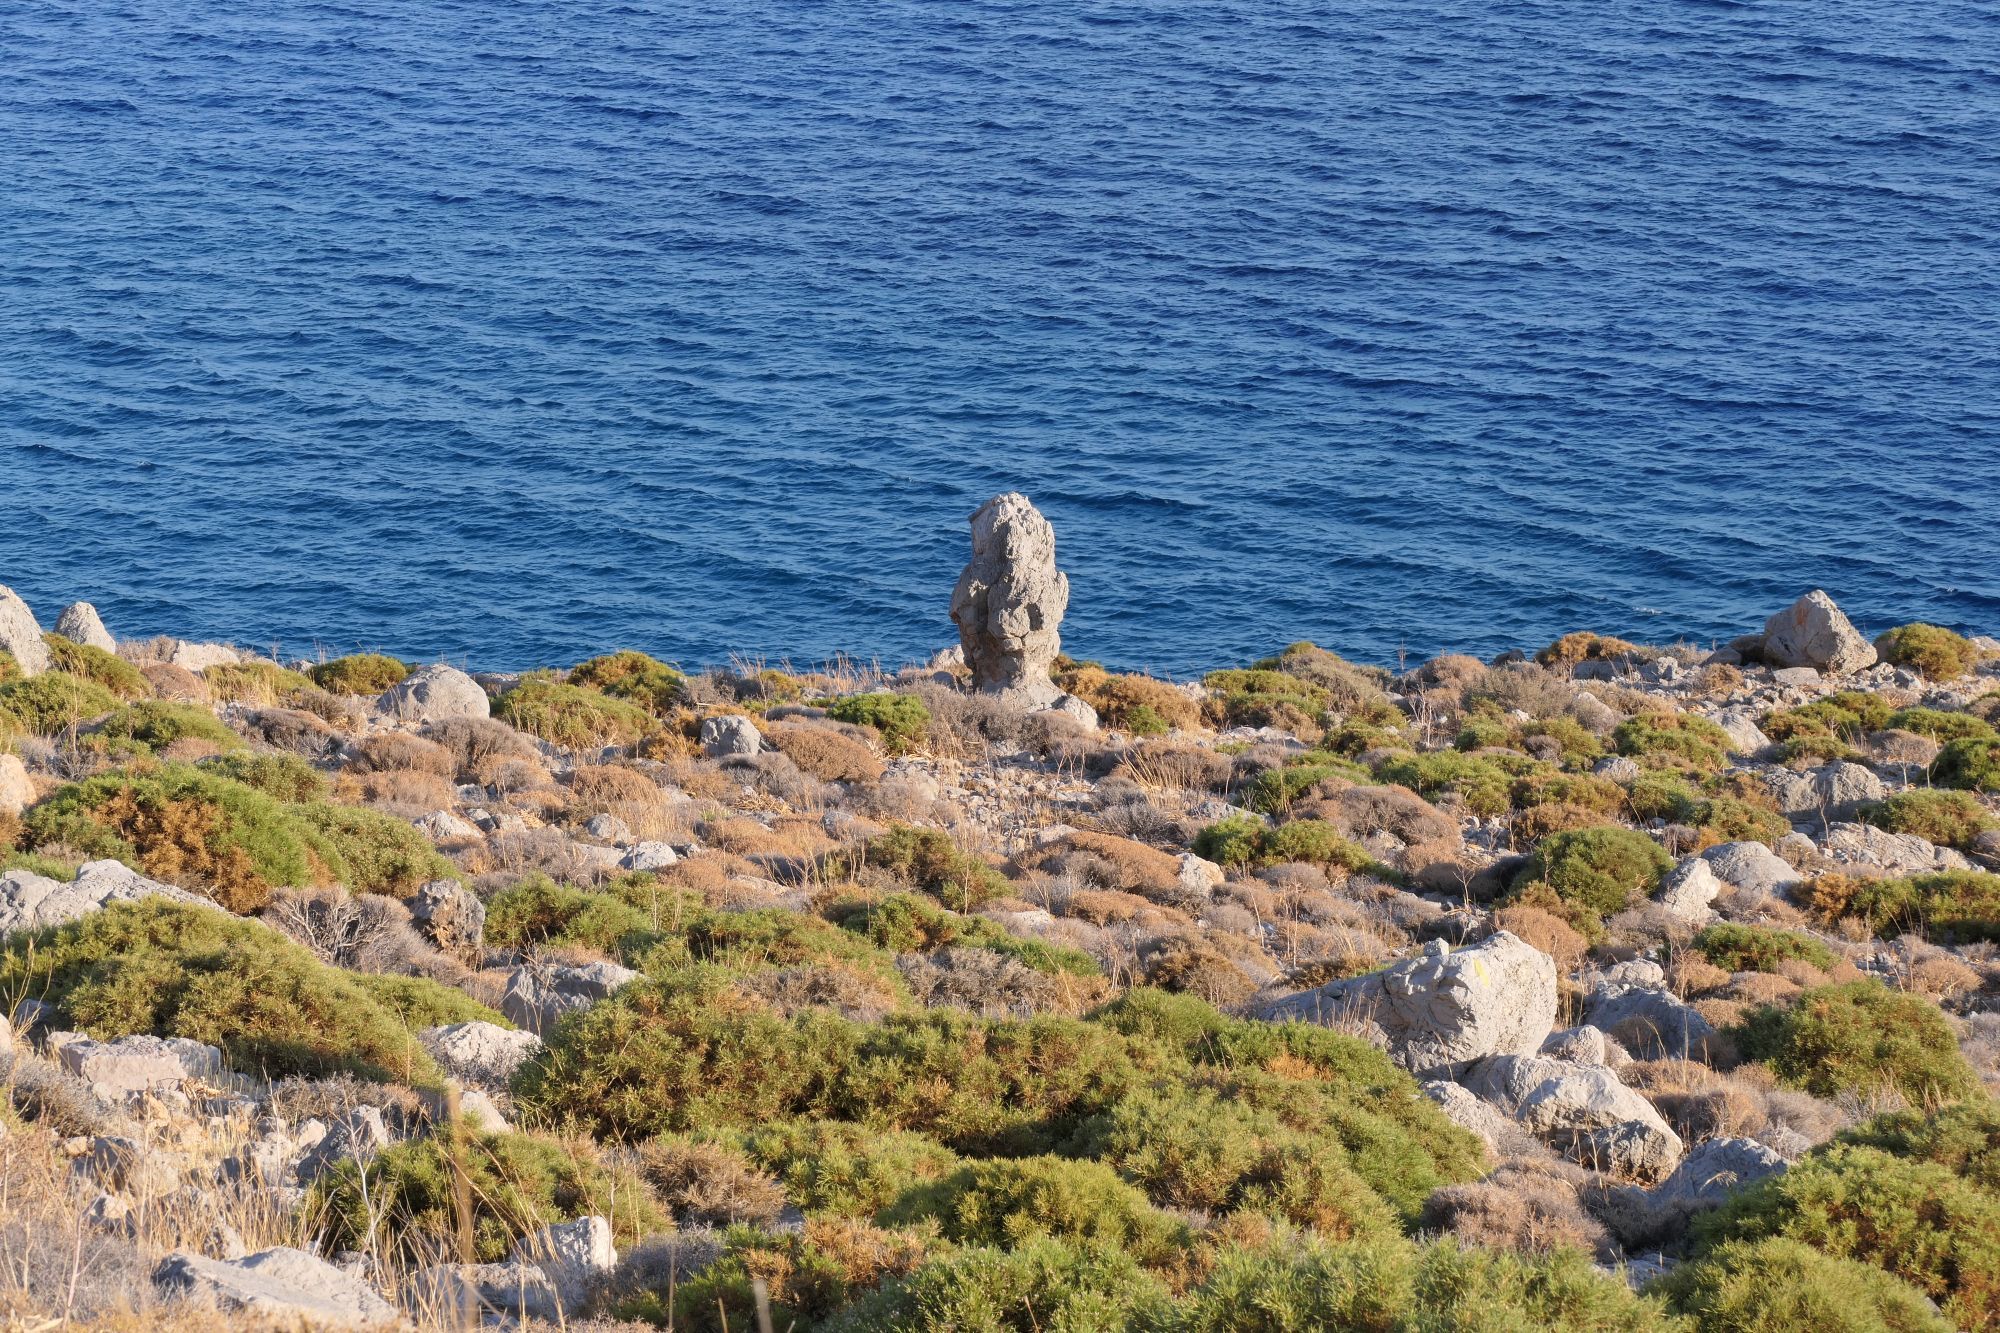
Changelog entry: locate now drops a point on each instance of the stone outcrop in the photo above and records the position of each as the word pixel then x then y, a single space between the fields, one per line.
pixel 1812 632
pixel 728 736
pixel 1443 1009
pixel 1752 868
pixel 35 902
pixel 21 636
pixel 116 1069
pixel 80 623
pixel 538 996
pixel 283 1286
pixel 1867 847
pixel 1651 1023
pixel 1009 601
pixel 482 1054
pixel 202 656
pixel 451 916
pixel 1582 1110
pixel 434 693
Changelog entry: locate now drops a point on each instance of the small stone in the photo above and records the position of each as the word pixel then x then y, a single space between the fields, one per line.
pixel 608 828
pixel 450 916
pixel 17 789
pixel 483 1054
pixel 728 736
pixel 1199 876
pixel 1689 891
pixel 1796 677
pixel 513 1290
pixel 434 693
pixel 444 826
pixel 1753 868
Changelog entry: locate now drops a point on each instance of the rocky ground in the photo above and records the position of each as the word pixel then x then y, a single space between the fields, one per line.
pixel 361 994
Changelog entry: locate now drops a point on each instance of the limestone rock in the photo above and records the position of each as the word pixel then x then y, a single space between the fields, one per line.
pixel 17 790
pixel 648 856
pixel 608 828
pixel 1652 1024
pixel 1581 1109
pixel 1868 847
pixel 450 916
pixel 1813 632
pixel 1714 1170
pixel 202 656
pixel 114 1069
pixel 1468 1112
pixel 1442 1009
pixel 1753 868
pixel 1844 788
pixel 34 902
pixel 21 636
pixel 486 1292
pixel 1199 876
pixel 279 1285
pixel 80 623
pixel 444 826
pixel 1010 600
pixel 1582 1046
pixel 482 1054
pixel 1689 891
pixel 577 1256
pixel 1594 713
pixel 1746 738
pixel 357 1136
pixel 1075 709
pixel 728 736
pixel 538 996
pixel 434 693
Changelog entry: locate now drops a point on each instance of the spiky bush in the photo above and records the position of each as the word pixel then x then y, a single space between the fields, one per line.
pixel 1932 651
pixel 645 681
pixel 262 684
pixel 1971 763
pixel 1861 1037
pixel 1780 1285
pixel 538 911
pixel 1238 840
pixel 1952 906
pixel 1673 740
pixel 1481 782
pixel 281 776
pixel 900 718
pixel 360 673
pixel 1947 818
pixel 571 715
pixel 151 725
pixel 377 853
pixel 929 859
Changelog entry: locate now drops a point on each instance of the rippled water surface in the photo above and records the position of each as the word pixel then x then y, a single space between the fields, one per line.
pixel 518 331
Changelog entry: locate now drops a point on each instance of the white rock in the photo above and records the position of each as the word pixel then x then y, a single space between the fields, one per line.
pixel 80 623
pixel 1746 738
pixel 1796 677
pixel 608 828
pixel 538 996
pixel 444 826
pixel 1582 1109
pixel 1753 868
pixel 483 1054
pixel 433 693
pixel 1813 632
pixel 17 789
pixel 1075 709
pixel 137 1064
pixel 1843 788
pixel 1652 1023
pixel 1442 1009
pixel 201 656
pixel 729 735
pixel 278 1284
pixel 577 1257
pixel 1874 848
pixel 1689 891
pixel 1468 1112
pixel 1009 601
pixel 21 636
pixel 1714 1170
pixel 648 856
pixel 35 902
pixel 1199 876
pixel 1582 1046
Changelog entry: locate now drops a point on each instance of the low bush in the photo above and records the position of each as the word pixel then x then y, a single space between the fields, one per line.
pixel 1964 1138
pixel 1780 1285
pixel 111 671
pixel 1949 906
pixel 176 970
pixel 1860 1037
pixel 1940 725
pixel 377 853
pixel 360 673
pixel 844 1170
pixel 1584 646
pixel 1947 818
pixel 538 911
pixel 1138 704
pixel 900 718
pixel 1601 870
pixel 1744 948
pixel 283 777
pixel 571 715
pixel 1481 782
pixel 808 1278
pixel 1932 651
pixel 52 701
pixel 905 923
pixel 422 1003
pixel 645 681
pixel 1971 763
pixel 929 859
pixel 151 725
pixel 1043 1286
pixel 1007 1201
pixel 402 1200
pixel 1274 790
pixel 1673 740
pixel 1239 840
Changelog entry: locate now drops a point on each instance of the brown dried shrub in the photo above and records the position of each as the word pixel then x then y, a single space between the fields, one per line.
pixel 826 754
pixel 1527 1205
pixel 291 730
pixel 404 792
pixel 600 786
pixel 401 752
pixel 1801 973
pixel 1722 1014
pixel 1114 863
pixel 709 1184
pixel 183 844
pixel 1690 974
pixel 1194 966
pixel 479 742
pixel 1545 931
pixel 1942 976
pixel 1760 988
pixel 1117 697
pixel 1166 765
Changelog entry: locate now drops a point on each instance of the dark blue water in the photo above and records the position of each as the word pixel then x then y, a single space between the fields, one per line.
pixel 523 330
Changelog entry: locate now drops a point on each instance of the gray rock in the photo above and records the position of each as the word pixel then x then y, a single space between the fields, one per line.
pixel 280 1284
pixel 1636 972
pixel 1198 876
pixel 17 790
pixel 444 826
pixel 1009 601
pixel 1689 891
pixel 21 636
pixel 357 1136
pixel 80 623
pixel 1468 1112
pixel 577 1257
pixel 538 996
pixel 1569 1104
pixel 34 902
pixel 201 656
pixel 1652 1024
pixel 450 916
pixel 1746 738
pixel 1617 768
pixel 115 1069
pixel 1442 1009
pixel 1714 1170
pixel 1594 713
pixel 1796 677
pixel 1753 868
pixel 1580 1046
pixel 1075 709
pixel 608 828
pixel 1867 847
pixel 433 693
pixel 730 735
pixel 483 1054
pixel 513 1290
pixel 648 856
pixel 1844 788
pixel 1813 632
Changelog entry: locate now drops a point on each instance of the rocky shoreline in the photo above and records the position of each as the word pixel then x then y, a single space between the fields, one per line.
pixel 1004 988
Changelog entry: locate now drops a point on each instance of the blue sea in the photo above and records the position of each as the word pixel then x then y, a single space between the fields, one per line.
pixel 514 331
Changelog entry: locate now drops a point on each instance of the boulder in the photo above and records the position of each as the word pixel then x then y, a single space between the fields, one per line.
pixel 444 826
pixel 80 623
pixel 609 828
pixel 1582 1110
pixel 280 1285
pixel 116 1069
pixel 1796 677
pixel 1714 1170
pixel 1469 1113
pixel 21 636
pixel 1010 600
pixel 1075 709
pixel 199 657
pixel 35 902
pixel 1867 847
pixel 539 995
pixel 1689 891
pixel 1580 1046
pixel 434 693
pixel 484 1292
pixel 1844 788
pixel 729 736
pixel 1652 1024
pixel 1813 632
pixel 17 789
pixel 1752 868
pixel 648 856
pixel 450 916
pixel 1746 738
pixel 1439 1011
pixel 482 1054
pixel 1200 877
pixel 576 1256
pixel 1617 768
pixel 1595 714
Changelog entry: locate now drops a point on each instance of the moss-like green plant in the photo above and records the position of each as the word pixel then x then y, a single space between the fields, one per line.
pixel 360 673
pixel 151 725
pixel 1950 906
pixel 1849 715
pixel 1600 869
pixel 645 681
pixel 1275 789
pixel 1947 818
pixel 571 715
pixel 1673 740
pixel 377 853
pixel 1780 1285
pixel 285 777
pixel 902 719
pixel 1742 948
pixel 403 1199
pixel 1963 1137
pixel 111 671
pixel 1970 763
pixel 929 859
pixel 1860 1036
pixel 1005 1202
pixel 1932 651
pixel 52 701
pixel 422 1003
pixel 175 970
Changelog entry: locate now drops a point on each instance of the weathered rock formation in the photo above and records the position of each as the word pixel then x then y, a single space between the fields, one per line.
pixel 434 693
pixel 1009 601
pixel 1813 632
pixel 20 635
pixel 35 902
pixel 80 623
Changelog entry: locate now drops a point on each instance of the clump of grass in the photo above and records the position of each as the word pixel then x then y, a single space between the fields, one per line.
pixel 151 725
pixel 1932 651
pixel 51 702
pixel 901 719
pixel 1970 764
pixel 360 673
pixel 929 859
pixel 260 684
pixel 1744 948
pixel 571 715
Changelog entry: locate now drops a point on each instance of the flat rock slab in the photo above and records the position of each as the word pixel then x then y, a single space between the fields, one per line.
pixel 279 1284
pixel 35 902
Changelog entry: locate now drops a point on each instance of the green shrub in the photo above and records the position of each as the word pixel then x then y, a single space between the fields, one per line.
pixel 1964 1138
pixel 1232 840
pixel 360 673
pixel 422 1003
pixel 808 1277
pixel 1663 794
pixel 1673 740
pixel 646 681
pixel 52 701
pixel 1275 789
pixel 1861 1037
pixel 260 684
pixel 1043 1286
pixel 1599 869
pixel 1741 948
pixel 1915 1220
pixel 1778 1285
pixel 1480 781
pixel 538 911
pixel 110 670
pixel 403 1199
pixel 379 853
pixel 907 923
pixel 844 1170
pixel 929 859
pixel 1313 841
pixel 1007 1201
pixel 151 725
pixel 190 827
pixel 1947 818
pixel 571 715
pixel 901 718
pixel 1932 651
pixel 1940 725
pixel 175 970
pixel 1732 819
pixel 1145 720
pixel 1951 906
pixel 1850 715
pixel 283 777
pixel 1971 763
